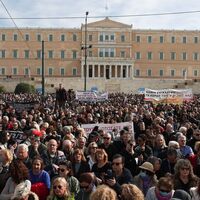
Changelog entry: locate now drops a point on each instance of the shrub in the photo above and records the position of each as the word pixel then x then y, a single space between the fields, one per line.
pixel 2 89
pixel 24 88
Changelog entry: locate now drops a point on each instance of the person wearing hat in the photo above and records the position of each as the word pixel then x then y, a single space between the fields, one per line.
pixel 146 178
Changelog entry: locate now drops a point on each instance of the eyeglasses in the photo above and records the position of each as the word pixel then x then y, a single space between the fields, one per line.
pixel 185 168
pixel 117 164
pixel 61 169
pixel 57 186
pixel 106 138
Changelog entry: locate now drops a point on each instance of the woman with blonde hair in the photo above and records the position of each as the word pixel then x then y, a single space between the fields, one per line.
pixel 91 152
pixel 59 190
pixel 131 192
pixel 103 192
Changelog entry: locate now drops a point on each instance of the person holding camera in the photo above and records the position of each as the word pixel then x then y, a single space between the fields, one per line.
pixel 119 174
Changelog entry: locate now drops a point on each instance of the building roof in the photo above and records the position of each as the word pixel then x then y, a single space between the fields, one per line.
pixel 108 23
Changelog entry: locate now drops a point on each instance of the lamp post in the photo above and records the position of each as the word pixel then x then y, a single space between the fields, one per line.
pixel 85 47
pixel 43 73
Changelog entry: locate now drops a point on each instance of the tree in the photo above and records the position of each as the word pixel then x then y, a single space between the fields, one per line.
pixel 24 88
pixel 2 89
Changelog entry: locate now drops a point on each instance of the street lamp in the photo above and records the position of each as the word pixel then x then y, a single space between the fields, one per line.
pixel 85 47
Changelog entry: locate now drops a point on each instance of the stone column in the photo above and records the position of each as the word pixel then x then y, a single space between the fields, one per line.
pixel 104 71
pixel 121 73
pixel 127 69
pixel 110 71
pixel 115 71
pixel 93 70
pixel 82 71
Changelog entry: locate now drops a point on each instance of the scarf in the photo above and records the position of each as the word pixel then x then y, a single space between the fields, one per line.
pixel 159 197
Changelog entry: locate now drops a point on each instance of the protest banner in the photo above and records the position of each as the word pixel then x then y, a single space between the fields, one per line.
pixel 168 96
pixel 17 135
pixel 108 127
pixel 91 96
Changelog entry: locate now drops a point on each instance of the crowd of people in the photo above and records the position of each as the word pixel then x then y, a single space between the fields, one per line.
pixel 46 154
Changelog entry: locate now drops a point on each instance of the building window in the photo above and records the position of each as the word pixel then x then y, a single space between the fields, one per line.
pixel 2 53
pixel 26 54
pixel 26 71
pixel 173 55
pixel 90 53
pixel 62 37
pixel 101 53
pixel 196 39
pixel 184 56
pixel 50 71
pixel 138 39
pixel 161 55
pixel 39 54
pixel 74 54
pixel 39 71
pixel 62 71
pixel 184 39
pixel 184 73
pixel 161 39
pixel 3 71
pixel 161 72
pixel 39 38
pixel 173 39
pixel 138 55
pixel 74 72
pixel 15 37
pixel 106 37
pixel 122 38
pixel 137 72
pixel 195 56
pixel 149 55
pixel 50 38
pixel 112 52
pixel 172 72
pixel 62 54
pixel 149 72
pixel 74 37
pixel 27 37
pixel 112 37
pixel 195 72
pixel 3 37
pixel 101 38
pixel 106 52
pixel 15 53
pixel 50 54
pixel 149 39
pixel 14 71
pixel 90 38
pixel 122 54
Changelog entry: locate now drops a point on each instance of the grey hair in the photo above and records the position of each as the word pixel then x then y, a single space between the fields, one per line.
pixel 23 146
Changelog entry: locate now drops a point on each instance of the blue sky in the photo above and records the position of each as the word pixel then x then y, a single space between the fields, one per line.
pixel 77 8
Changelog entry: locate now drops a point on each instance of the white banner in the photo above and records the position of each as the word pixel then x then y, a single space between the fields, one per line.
pixel 157 95
pixel 108 127
pixel 91 96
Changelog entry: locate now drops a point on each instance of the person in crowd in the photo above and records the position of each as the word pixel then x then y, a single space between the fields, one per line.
pixel 6 158
pixel 195 158
pixel 23 192
pixel 81 144
pixel 184 177
pixel 181 195
pixel 163 190
pixel 156 162
pixel 23 155
pixel 60 190
pixel 18 173
pixel 119 174
pixel 168 132
pixel 146 178
pixel 103 192
pixel 195 192
pixel 65 170
pixel 131 192
pixel 36 147
pixel 79 163
pixel 142 150
pixel 91 153
pixel 195 138
pixel 87 186
pixel 130 157
pixel 159 146
pixel 102 164
pixel 186 150
pixel 108 146
pixel 4 138
pixel 167 165
pixel 61 97
pixel 52 157
pixel 68 149
pixel 39 178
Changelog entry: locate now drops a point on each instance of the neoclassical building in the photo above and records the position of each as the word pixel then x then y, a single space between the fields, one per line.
pixel 118 52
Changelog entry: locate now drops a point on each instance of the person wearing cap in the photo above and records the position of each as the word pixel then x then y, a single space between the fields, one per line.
pixel 146 178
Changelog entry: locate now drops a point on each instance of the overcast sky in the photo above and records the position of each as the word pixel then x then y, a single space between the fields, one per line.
pixel 77 8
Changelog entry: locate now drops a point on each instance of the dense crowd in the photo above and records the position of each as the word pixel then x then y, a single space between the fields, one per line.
pixel 46 154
